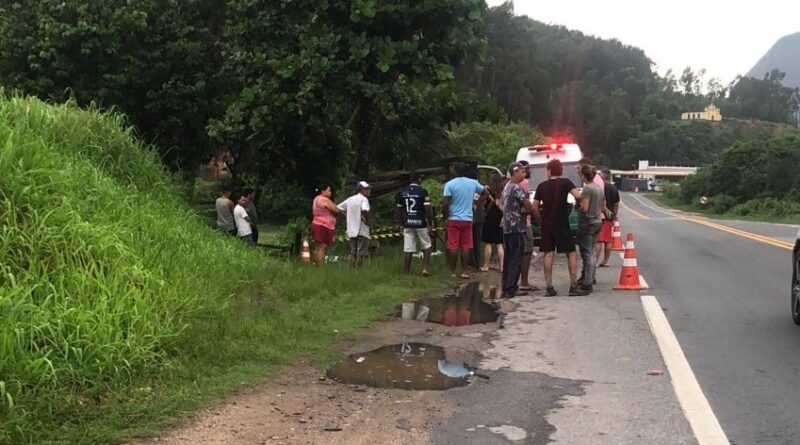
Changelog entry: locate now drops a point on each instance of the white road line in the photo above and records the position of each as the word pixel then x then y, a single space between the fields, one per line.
pixel 643 282
pixel 696 408
pixel 651 207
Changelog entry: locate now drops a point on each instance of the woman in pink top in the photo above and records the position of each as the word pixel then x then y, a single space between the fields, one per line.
pixel 323 223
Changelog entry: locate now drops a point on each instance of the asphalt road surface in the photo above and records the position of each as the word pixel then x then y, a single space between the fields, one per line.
pixel 724 286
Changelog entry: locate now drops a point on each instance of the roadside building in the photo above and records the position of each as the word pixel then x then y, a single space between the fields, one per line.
pixel 711 113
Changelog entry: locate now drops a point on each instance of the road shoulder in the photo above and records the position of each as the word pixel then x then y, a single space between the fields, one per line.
pixel 600 343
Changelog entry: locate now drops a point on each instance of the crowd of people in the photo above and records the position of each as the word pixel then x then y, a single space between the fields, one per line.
pixel 500 215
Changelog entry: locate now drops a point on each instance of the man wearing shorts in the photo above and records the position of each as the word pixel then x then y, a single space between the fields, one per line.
pixel 357 210
pixel 459 194
pixel 414 214
pixel 550 202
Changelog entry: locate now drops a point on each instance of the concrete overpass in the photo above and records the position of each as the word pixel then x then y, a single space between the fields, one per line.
pixel 647 171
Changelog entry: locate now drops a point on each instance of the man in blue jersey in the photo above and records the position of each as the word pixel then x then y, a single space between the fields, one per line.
pixel 413 212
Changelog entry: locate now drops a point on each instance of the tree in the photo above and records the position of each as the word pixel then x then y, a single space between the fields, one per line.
pixel 563 81
pixel 765 99
pixel 325 82
pixel 757 169
pixel 155 60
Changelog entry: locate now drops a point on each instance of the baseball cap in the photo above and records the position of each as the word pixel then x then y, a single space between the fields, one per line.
pixel 362 185
pixel 514 166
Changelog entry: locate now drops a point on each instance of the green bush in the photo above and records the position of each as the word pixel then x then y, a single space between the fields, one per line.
pixel 672 191
pixel 722 203
pixel 768 208
pixel 435 188
pixel 750 170
pixel 495 144
pixel 103 265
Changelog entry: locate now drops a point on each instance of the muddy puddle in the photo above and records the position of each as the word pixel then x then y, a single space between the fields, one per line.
pixel 417 366
pixel 468 307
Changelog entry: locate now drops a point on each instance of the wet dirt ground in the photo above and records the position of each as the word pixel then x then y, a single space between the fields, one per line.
pixel 563 370
pixel 304 406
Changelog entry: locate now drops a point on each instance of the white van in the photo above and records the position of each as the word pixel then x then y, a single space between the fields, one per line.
pixel 538 156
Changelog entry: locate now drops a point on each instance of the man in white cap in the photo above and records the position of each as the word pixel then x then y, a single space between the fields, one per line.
pixel 359 220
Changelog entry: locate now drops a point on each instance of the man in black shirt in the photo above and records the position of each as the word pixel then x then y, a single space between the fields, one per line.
pixel 414 214
pixel 550 202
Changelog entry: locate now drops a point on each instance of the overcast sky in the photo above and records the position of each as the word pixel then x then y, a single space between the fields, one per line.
pixel 724 37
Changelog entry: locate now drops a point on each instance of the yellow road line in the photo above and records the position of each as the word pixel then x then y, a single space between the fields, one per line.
pixel 640 215
pixel 749 235
pixel 742 233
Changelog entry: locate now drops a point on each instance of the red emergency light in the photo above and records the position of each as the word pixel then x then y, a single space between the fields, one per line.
pixel 546 147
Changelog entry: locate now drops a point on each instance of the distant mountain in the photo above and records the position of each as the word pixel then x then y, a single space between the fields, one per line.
pixel 785 56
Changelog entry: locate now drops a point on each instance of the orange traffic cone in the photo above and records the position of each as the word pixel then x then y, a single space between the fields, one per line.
pixel 616 238
pixel 305 254
pixel 629 276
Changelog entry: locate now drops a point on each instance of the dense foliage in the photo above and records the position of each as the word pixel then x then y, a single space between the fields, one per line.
pixel 157 61
pixel 762 168
pixel 102 265
pixel 305 91
pixel 695 142
pixel 756 179
pixel 493 144
pixel 561 80
pixel 606 94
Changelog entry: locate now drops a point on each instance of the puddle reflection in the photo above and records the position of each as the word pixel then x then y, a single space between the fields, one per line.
pixel 418 366
pixel 466 308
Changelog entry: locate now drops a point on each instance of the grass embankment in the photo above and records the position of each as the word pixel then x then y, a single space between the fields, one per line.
pixel 120 308
pixel 769 212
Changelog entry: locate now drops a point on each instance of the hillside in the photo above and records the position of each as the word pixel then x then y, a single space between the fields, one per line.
pixel 103 268
pixel 697 142
pixel 783 56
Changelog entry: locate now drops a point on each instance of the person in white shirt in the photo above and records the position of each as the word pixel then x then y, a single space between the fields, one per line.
pixel 242 220
pixel 359 219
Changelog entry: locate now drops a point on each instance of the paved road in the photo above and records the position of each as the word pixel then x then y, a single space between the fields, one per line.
pixel 726 296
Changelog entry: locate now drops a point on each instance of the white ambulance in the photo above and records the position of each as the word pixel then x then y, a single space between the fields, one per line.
pixel 538 156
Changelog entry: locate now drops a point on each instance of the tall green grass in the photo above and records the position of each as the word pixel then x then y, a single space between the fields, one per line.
pixel 103 266
pixel 120 309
